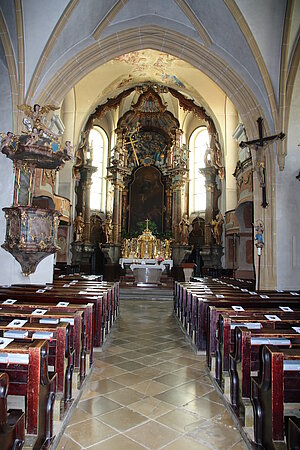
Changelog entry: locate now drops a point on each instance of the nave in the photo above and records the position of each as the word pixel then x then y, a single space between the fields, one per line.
pixel 148 389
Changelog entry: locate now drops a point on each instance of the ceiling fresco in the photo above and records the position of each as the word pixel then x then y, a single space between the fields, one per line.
pixel 144 65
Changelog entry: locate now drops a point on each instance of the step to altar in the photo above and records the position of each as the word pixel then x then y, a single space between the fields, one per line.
pixel 145 293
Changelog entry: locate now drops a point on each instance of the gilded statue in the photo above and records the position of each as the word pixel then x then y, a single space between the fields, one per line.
pixel 184 226
pixel 217 228
pixel 35 119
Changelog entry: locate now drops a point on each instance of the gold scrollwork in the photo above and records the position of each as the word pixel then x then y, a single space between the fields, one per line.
pixel 24 218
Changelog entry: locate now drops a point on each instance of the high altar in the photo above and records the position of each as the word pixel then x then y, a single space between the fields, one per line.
pixel 147 257
pixel 148 178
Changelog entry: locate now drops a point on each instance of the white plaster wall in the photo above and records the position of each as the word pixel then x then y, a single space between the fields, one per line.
pixel 39 19
pixel 265 19
pixel 288 203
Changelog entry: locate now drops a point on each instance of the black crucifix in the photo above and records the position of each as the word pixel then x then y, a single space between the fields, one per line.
pixel 260 143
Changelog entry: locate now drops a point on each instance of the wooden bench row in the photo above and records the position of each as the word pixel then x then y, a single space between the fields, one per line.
pixel 47 334
pixel 246 335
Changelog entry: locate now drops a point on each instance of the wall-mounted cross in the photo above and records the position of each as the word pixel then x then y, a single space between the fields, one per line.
pixel 259 145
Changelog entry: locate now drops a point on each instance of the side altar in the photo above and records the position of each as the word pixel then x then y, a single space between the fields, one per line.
pixel 147 257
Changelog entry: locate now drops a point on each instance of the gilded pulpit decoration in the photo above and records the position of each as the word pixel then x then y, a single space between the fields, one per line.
pixel 31 231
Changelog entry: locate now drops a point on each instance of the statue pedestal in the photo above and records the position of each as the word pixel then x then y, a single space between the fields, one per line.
pixel 188 270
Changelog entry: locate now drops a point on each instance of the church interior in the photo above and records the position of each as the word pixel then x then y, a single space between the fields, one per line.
pixel 149 230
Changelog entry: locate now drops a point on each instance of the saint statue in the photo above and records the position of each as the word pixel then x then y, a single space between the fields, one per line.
pixel 108 228
pixel 217 228
pixel 184 225
pixel 78 227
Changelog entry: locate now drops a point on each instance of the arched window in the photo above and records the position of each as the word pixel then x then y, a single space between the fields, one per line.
pixel 199 142
pixel 98 144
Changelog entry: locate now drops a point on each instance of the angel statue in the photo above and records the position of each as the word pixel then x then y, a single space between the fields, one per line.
pixel 35 117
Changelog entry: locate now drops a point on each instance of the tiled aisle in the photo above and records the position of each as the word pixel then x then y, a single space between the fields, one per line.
pixel 149 390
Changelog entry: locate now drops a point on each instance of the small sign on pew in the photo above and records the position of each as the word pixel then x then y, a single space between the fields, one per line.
pixel 264 296
pixel 39 312
pixel 237 308
pixel 286 309
pixel 244 290
pixel 294 293
pixel 17 323
pixel 297 329
pixel 272 317
pixel 64 304
pixel 279 290
pixel 9 301
pixel 219 296
pixel 253 293
pixel 40 291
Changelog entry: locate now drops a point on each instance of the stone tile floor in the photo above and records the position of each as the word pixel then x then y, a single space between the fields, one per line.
pixel 149 390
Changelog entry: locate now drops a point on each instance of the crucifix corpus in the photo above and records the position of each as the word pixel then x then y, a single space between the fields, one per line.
pixel 259 145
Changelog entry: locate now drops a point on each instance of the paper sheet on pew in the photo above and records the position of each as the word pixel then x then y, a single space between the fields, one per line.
pixel 16 334
pixel 294 293
pixel 253 293
pixel 42 335
pixel 64 304
pixel 40 291
pixel 6 285
pixel 69 320
pixel 244 290
pixel 17 323
pixel 14 358
pixel 279 290
pixel 49 320
pixel 39 312
pixel 249 325
pixel 297 329
pixel 4 342
pixel 272 317
pixel 264 296
pixel 291 365
pixel 286 309
pixel 9 301
pixel 66 285
pixel 270 341
pixel 61 276
pixel 237 308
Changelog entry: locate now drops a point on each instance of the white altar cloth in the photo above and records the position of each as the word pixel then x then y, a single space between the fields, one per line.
pixel 123 261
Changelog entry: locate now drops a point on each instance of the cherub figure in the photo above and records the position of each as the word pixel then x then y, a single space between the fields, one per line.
pixel 6 139
pixel 33 137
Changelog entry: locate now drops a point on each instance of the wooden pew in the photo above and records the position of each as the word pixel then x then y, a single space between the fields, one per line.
pixel 75 319
pixel 27 367
pixel 245 360
pixel 60 355
pixel 227 322
pixel 12 422
pixel 293 433
pixel 279 383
